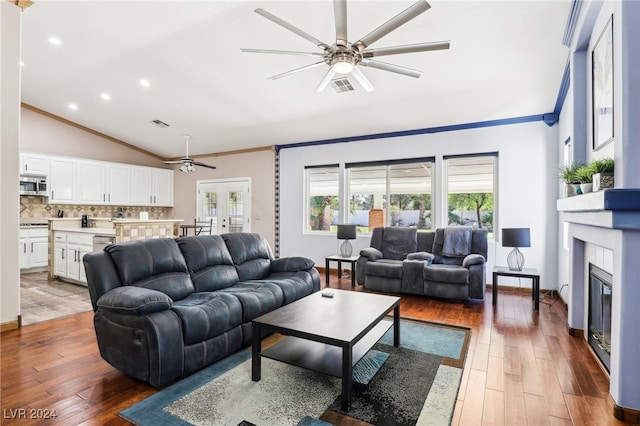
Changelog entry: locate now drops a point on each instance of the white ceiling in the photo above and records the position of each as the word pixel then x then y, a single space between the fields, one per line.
pixel 506 60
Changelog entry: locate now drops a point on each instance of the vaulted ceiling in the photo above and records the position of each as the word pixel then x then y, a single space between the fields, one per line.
pixel 506 60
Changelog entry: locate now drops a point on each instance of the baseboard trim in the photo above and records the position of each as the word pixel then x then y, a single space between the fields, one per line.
pixel 576 332
pixel 11 325
pixel 623 414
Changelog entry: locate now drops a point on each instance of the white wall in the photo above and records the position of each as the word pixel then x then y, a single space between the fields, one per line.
pixel 10 27
pixel 526 196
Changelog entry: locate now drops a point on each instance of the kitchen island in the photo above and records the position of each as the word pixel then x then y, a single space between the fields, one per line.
pixel 69 241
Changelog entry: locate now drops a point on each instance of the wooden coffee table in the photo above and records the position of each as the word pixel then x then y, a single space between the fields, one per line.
pixel 329 335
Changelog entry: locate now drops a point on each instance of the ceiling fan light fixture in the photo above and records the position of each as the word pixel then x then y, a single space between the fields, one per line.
pixel 187 168
pixel 342 64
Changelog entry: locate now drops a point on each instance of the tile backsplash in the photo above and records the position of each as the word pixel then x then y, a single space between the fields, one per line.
pixel 39 208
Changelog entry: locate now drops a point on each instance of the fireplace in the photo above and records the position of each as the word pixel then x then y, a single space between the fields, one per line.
pixel 600 313
pixel 604 231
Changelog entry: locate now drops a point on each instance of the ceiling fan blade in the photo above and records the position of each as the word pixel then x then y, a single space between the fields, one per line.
pixel 390 67
pixel 327 78
pixel 173 162
pixel 408 48
pixel 306 67
pixel 291 28
pixel 281 52
pixel 197 163
pixel 395 22
pixel 362 79
pixel 340 14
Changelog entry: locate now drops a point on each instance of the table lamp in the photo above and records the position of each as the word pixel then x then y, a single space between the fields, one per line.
pixel 516 237
pixel 346 232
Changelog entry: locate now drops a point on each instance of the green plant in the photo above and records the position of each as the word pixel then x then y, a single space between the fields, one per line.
pixel 567 172
pixel 584 174
pixel 604 165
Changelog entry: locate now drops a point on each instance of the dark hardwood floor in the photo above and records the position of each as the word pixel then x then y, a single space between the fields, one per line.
pixel 523 368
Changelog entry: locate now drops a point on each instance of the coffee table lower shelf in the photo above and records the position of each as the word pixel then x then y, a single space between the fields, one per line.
pixel 323 357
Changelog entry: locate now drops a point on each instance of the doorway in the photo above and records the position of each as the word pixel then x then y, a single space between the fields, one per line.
pixel 226 202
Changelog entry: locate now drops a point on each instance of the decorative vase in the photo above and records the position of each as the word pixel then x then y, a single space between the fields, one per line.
pixel 586 187
pixel 602 181
pixel 571 189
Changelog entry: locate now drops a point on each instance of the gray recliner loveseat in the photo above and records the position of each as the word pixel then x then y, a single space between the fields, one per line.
pixel 165 308
pixel 447 263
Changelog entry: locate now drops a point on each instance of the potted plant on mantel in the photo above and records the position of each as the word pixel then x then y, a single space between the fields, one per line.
pixel 567 172
pixel 584 175
pixel 602 173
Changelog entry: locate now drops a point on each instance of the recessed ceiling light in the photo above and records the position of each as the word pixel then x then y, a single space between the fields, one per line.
pixel 145 83
pixel 55 41
pixel 73 106
pixel 21 63
pixel 105 96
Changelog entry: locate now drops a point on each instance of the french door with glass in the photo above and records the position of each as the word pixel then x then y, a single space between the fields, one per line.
pixel 227 203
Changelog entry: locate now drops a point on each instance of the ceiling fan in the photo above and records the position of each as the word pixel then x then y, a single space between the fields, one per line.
pixel 344 57
pixel 187 162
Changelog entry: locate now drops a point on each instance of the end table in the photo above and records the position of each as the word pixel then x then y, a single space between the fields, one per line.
pixel 525 273
pixel 337 258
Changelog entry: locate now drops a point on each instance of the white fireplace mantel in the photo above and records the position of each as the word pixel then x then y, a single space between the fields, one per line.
pixel 611 208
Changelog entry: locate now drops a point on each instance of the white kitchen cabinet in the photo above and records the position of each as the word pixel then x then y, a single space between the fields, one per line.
pixel 118 184
pixel 63 181
pixel 70 248
pixel 152 187
pixel 34 164
pixel 60 254
pixel 91 182
pixel 34 248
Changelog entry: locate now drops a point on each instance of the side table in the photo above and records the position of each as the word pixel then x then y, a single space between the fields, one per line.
pixel 525 273
pixel 337 258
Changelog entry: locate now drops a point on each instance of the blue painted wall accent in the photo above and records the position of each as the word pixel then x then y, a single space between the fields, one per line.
pixel 548 118
pixel 572 19
pixel 562 92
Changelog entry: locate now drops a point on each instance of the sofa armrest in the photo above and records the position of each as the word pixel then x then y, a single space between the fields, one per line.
pixel 473 259
pixel 421 255
pixel 134 300
pixel 371 253
pixel 292 264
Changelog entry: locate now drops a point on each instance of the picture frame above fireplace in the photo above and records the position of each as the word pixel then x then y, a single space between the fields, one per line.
pixel 602 87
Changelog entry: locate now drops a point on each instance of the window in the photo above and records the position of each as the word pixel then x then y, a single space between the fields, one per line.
pixel 470 189
pixel 393 193
pixel 322 197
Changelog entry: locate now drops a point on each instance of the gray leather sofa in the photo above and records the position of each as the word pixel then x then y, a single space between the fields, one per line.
pixel 436 263
pixel 166 308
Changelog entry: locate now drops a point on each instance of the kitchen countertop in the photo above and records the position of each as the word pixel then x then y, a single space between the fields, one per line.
pixel 94 231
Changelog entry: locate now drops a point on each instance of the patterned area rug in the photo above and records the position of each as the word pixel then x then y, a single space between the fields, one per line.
pixel 416 383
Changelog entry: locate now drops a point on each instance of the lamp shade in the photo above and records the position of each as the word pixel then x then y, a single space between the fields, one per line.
pixel 346 232
pixel 516 237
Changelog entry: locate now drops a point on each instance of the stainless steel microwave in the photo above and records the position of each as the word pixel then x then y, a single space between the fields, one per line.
pixel 33 185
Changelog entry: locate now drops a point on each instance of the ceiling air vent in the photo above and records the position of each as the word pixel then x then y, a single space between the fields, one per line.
pixel 160 124
pixel 341 85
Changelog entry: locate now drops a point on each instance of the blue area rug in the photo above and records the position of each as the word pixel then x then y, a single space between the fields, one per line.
pixel 414 384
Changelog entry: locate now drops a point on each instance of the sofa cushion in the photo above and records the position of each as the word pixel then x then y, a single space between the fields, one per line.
pixel 384 268
pixel 206 315
pixel 256 298
pixel 250 253
pixel 157 264
pixel 453 274
pixel 292 264
pixel 294 285
pixel 209 262
pixel 398 242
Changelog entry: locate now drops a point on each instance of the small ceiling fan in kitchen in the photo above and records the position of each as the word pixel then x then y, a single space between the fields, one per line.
pixel 344 57
pixel 188 163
